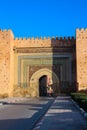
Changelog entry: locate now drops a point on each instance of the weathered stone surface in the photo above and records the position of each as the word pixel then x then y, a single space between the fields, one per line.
pixel 81 57
pixel 21 59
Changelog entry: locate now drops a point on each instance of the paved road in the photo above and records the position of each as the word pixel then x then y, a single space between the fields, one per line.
pixel 23 115
pixel 62 115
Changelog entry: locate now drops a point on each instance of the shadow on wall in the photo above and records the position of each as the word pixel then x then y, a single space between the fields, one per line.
pixel 63 67
pixel 64 64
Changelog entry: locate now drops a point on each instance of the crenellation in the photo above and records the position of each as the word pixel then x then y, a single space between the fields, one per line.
pixel 34 42
pixel 73 38
pixel 5 30
pixel 81 34
pixel 56 38
pixel 44 38
pixel 16 39
pixel 69 38
pixel 64 38
pixel 60 39
pixel 81 29
pixel 20 38
pixel 53 37
pixel 32 38
pixel 24 38
pixel 48 38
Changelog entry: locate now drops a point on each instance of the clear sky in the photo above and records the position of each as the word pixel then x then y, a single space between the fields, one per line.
pixel 31 18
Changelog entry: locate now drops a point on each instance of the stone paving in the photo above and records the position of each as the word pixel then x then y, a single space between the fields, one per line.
pixel 62 115
pixel 13 99
pixel 23 113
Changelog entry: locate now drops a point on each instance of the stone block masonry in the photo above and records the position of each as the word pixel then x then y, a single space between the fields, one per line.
pixel 81 57
pixel 12 69
pixel 6 49
pixel 45 42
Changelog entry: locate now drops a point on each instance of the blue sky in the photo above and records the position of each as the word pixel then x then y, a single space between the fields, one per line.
pixel 32 18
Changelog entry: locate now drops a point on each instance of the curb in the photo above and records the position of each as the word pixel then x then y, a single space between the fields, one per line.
pixel 80 109
pixel 6 101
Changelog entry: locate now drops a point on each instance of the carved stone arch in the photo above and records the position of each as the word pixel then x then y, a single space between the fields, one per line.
pixel 34 81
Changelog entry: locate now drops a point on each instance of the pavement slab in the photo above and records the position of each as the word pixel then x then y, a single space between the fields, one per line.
pixel 62 115
pixel 23 114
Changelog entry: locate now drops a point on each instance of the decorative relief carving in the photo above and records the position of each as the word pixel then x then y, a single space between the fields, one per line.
pixel 38 62
pixel 44 49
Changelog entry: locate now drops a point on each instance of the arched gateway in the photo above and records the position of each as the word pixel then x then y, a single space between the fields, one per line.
pixel 52 80
pixel 29 65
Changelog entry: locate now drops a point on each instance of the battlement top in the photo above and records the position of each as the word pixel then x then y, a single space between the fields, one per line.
pixel 38 41
pixel 37 38
pixel 5 30
pixel 44 42
pixel 6 33
pixel 81 29
pixel 81 34
pixel 46 38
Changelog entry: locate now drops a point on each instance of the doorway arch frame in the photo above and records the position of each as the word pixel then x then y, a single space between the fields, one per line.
pixel 34 80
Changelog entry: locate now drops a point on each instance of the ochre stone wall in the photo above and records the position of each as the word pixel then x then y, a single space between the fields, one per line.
pixel 6 43
pixel 10 63
pixel 45 42
pixel 81 58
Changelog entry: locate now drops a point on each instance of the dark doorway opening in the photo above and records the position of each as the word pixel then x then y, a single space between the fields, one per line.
pixel 43 86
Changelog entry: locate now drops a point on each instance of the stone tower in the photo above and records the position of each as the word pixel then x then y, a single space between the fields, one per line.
pixel 6 62
pixel 81 58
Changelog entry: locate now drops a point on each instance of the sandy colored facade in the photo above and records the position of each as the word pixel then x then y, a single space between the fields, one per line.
pixel 28 65
pixel 81 58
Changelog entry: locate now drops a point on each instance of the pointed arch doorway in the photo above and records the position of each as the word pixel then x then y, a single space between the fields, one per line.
pixel 41 79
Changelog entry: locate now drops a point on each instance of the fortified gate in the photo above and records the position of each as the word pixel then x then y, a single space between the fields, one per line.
pixel 36 67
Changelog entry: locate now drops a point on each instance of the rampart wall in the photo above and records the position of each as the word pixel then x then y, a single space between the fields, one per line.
pixel 81 57
pixel 45 42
